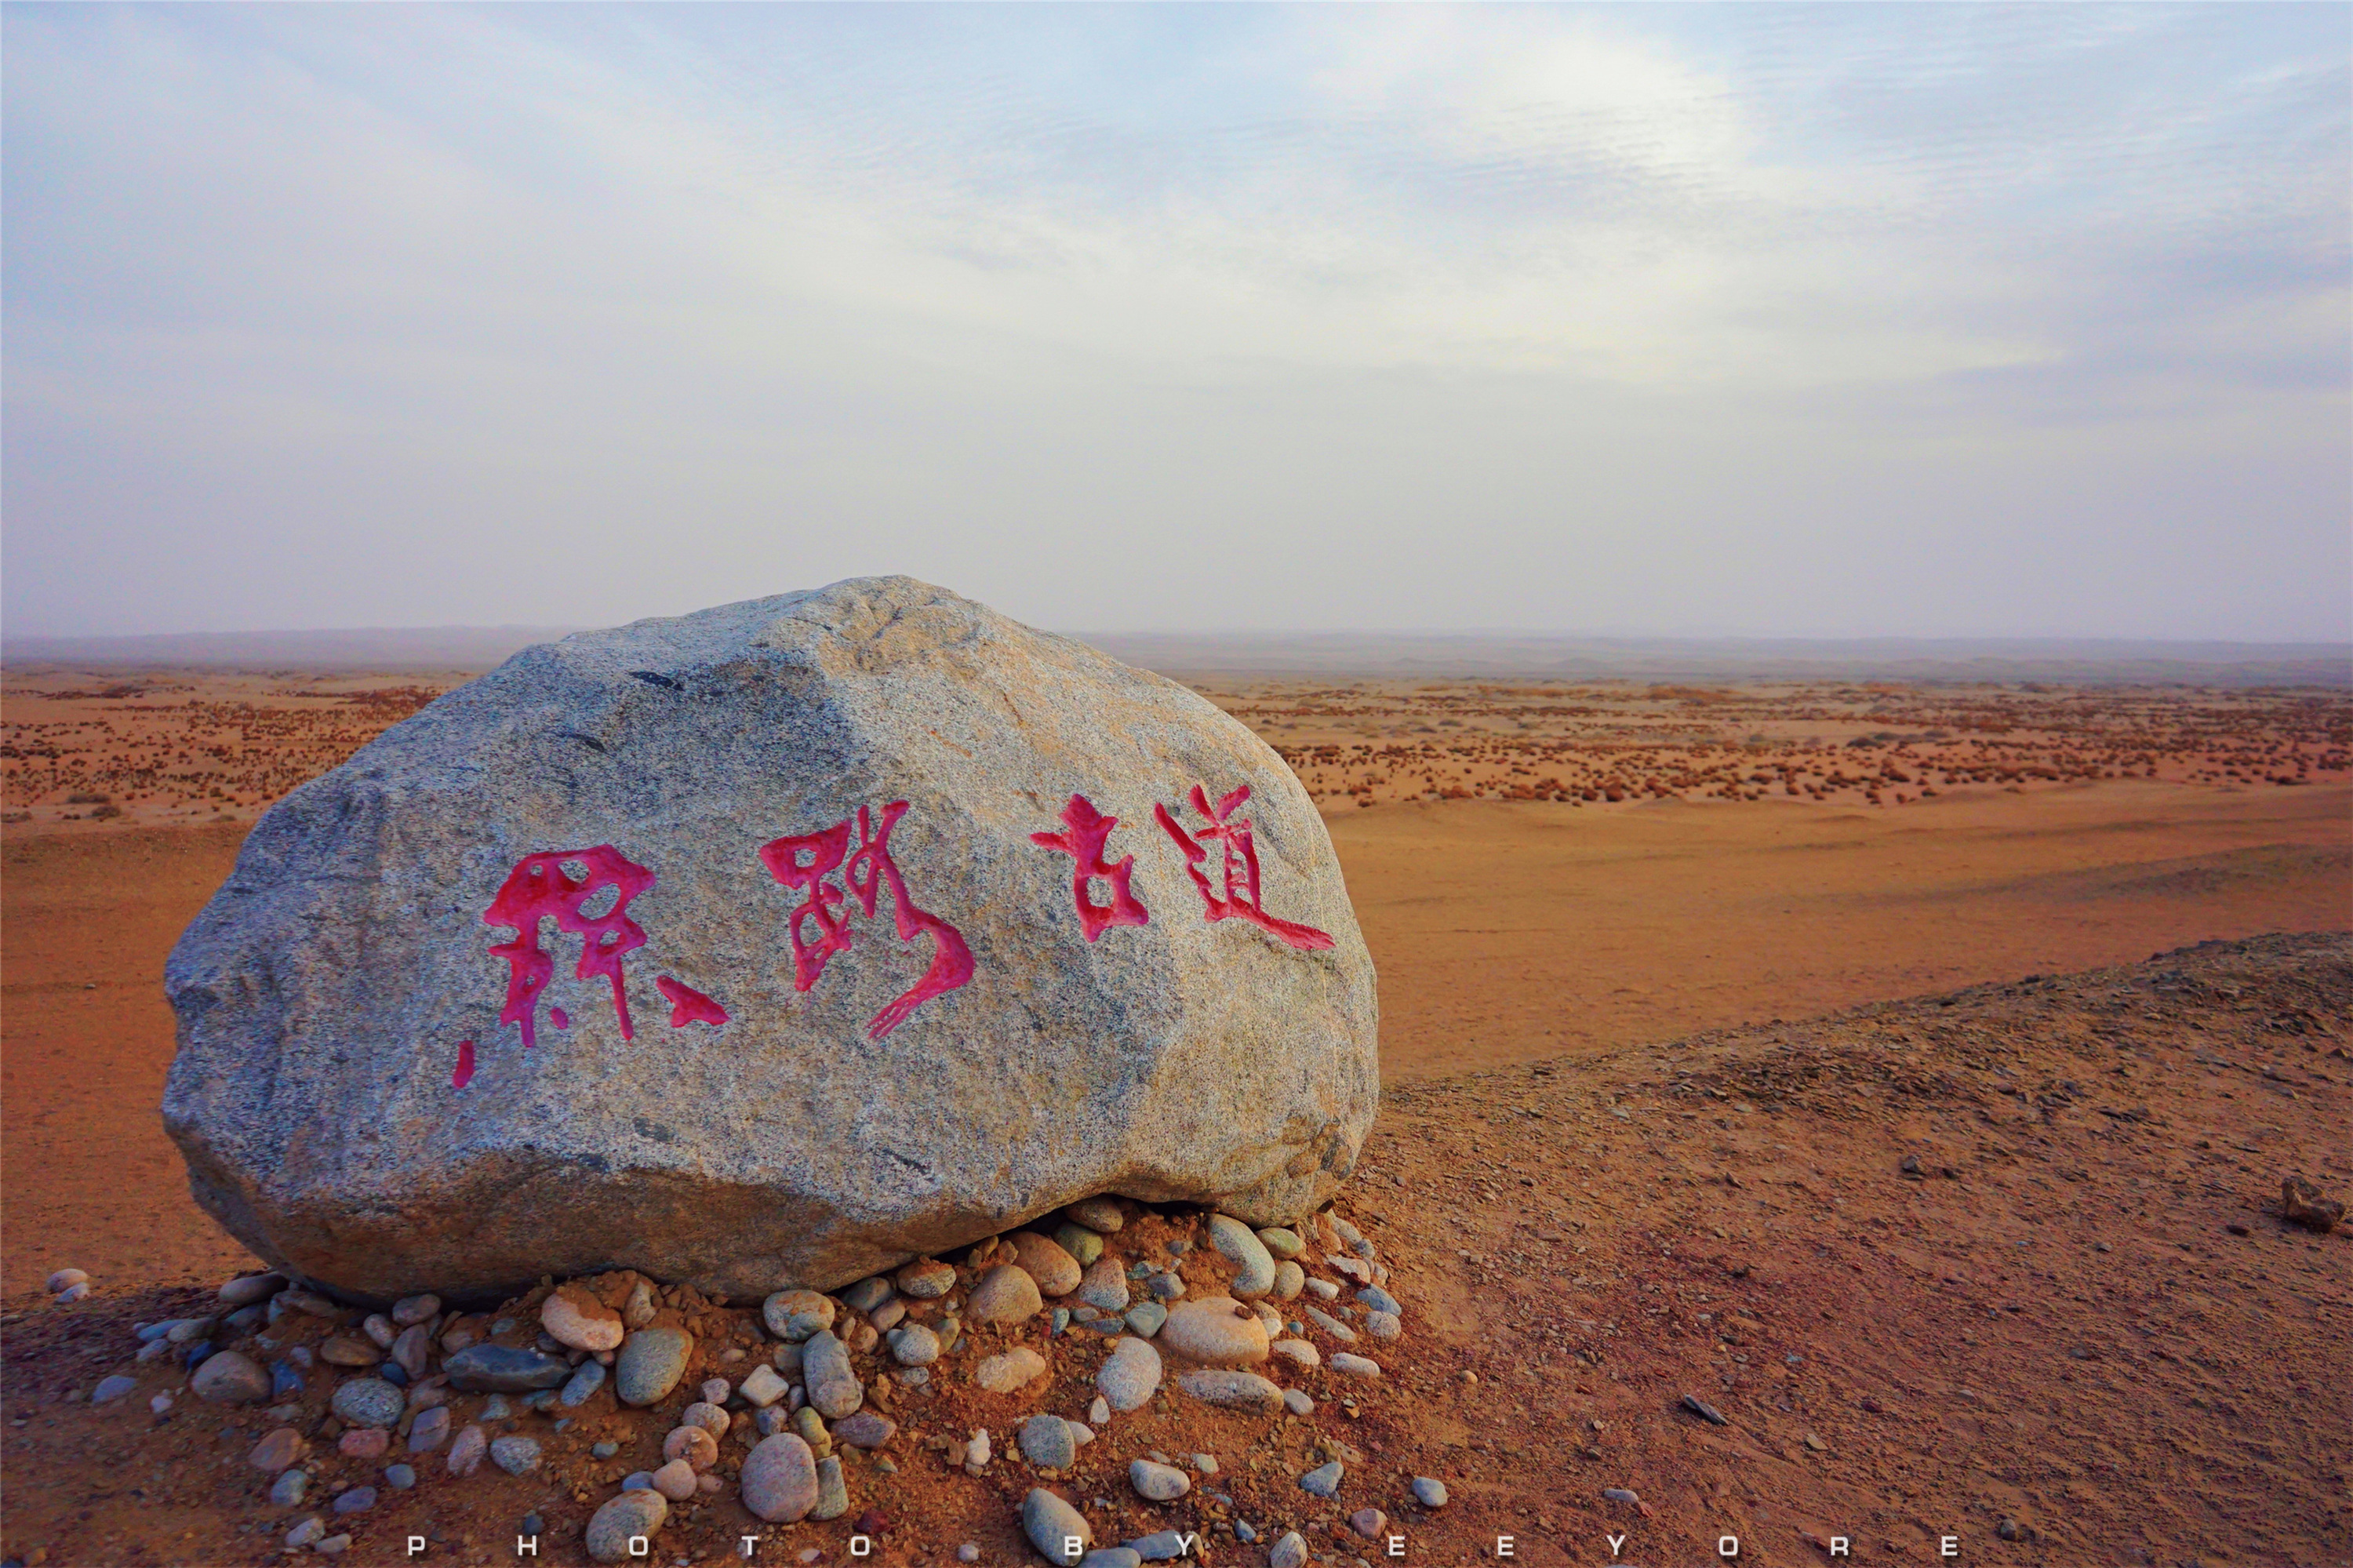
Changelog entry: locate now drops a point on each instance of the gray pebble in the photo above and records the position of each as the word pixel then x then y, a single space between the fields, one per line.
pixel 1429 1491
pixel 359 1500
pixel 1323 1482
pixel 485 1369
pixel 309 1531
pixel 867 1294
pixel 585 1379
pixel 429 1430
pixel 641 1512
pixel 110 1389
pixel 1146 1317
pixel 1161 1546
pixel 1291 1551
pixel 287 1491
pixel 1104 1557
pixel 1047 1442
pixel 650 1362
pixel 1165 1286
pixel 400 1478
pixel 1158 1483
pixel 1621 1494
pixel 369 1402
pixel 1295 1400
pixel 515 1455
pixel 606 1449
pixel 1380 1301
pixel 1050 1523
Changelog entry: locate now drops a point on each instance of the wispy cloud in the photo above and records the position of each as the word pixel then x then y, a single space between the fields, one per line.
pixel 1935 318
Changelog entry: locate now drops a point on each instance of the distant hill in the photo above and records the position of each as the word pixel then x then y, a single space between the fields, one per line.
pixel 1342 654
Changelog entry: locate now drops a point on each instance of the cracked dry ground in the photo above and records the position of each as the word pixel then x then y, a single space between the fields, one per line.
pixel 2072 1329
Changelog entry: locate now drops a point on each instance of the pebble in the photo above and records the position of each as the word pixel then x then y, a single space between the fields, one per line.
pixel 504 1369
pixel 1330 1325
pixel 1253 1262
pixel 1347 1365
pixel 1298 1351
pixel 1164 1286
pixel 309 1532
pixel 572 1316
pixel 1163 1546
pixel 229 1378
pixel 867 1294
pixel 1007 1294
pixel 968 1552
pixel 1368 1521
pixel 1111 1557
pixel 412 1309
pixel 334 1545
pixel 695 1445
pixel 1147 1316
pixel 1048 1443
pixel 1015 1368
pixel 1325 1289
pixel 1099 1412
pixel 1215 1331
pixel 637 1311
pixel 915 1346
pixel 762 1387
pixel 1703 1410
pixel 712 1418
pixel 466 1453
pixel 308 1302
pixel 926 1279
pixel 1083 1246
pixel 284 1380
pixel 810 1427
pixel 1621 1495
pixel 1290 1279
pixel 1105 1286
pixel 631 1514
pixel 793 1316
pixel 277 1451
pixel 975 1452
pixel 585 1379
pixel 363 1443
pixel 110 1389
pixel 832 1382
pixel 1295 1400
pixel 889 1314
pixel 159 1404
pixel 1233 1390
pixel 515 1455
pixel 1130 1377
pixel 369 1402
pixel 1323 1481
pixel 1380 1301
pixel 866 1429
pixel 251 1290
pixel 496 1408
pixel 650 1362
pixel 771 1421
pixel 1158 1483
pixel 1099 1214
pixel 1052 1526
pixel 1291 1551
pixel 675 1480
pixel 638 1481
pixel 1429 1491
pixel 343 1350
pixel 66 1279
pixel 380 1330
pixel 287 1491
pixel 1382 1325
pixel 832 1490
pixel 359 1500
pixel 412 1350
pixel 779 1480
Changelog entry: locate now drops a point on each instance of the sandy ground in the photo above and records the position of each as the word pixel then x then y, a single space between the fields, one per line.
pixel 1544 963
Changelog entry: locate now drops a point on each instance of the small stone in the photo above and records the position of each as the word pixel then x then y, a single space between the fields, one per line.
pixel 251 1290
pixel 1253 1264
pixel 811 1428
pixel 1111 1557
pixel 1105 1286
pixel 915 1346
pixel 412 1350
pixel 1626 1494
pixel 1298 1351
pixel 380 1330
pixel 1130 1377
pixel 585 1379
pixel 159 1404
pixel 1429 1491
pixel 1282 1242
pixel 926 1279
pixel 1347 1365
pixel 1816 1444
pixel 1080 1433
pixel 504 1369
pixel 287 1491
pixel 637 1311
pixel 1162 1545
pixel 363 1443
pixel 229 1378
pixel 466 1454
pixel 1380 1301
pixel 277 1451
pixel 66 1279
pixel 867 1294
pixel 1233 1390
pixel 650 1362
pixel 309 1532
pixel 284 1380
pixel 832 1490
pixel 1291 1551
pixel 1158 1483
pixel 975 1452
pixel 695 1445
pixel 712 1418
pixel 400 1478
pixel 1007 1295
pixel 1323 1481
pixel 1324 1288
pixel 515 1455
pixel 779 1480
pixel 793 1316
pixel 1330 1325
pixel 1083 1246
pixel 334 1545
pixel 1215 1331
pixel 1699 1407
pixel 496 1408
pixel 410 1310
pixel 368 1402
pixel 110 1389
pixel 343 1350
pixel 358 1499
pixel 675 1480
pixel 1060 1532
pixel 308 1302
pixel 1099 1412
pixel 1015 1369
pixel 1368 1521
pixel 762 1387
pixel 1164 1286
pixel 1382 1325
pixel 1046 1441
pixel 833 1384
pixel 866 1429
pixel 574 1316
pixel 1290 1279
pixel 623 1519
pixel 968 1552
pixel 1145 1317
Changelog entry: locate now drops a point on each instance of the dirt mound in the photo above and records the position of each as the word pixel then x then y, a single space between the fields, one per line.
pixel 2006 1264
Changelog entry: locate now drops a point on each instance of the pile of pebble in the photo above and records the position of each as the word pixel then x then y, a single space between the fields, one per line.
pixel 813 1377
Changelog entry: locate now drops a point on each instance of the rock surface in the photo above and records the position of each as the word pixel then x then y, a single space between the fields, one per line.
pixel 352 1092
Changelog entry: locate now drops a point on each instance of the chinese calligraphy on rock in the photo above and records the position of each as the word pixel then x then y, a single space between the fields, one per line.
pixel 1085 831
pixel 1237 896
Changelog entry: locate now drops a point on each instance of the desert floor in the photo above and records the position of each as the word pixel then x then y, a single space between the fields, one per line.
pixel 2064 1332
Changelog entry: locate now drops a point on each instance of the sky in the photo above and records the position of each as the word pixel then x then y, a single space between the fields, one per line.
pixel 1856 320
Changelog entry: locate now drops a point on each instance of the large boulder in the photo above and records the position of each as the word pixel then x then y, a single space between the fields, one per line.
pixel 751 948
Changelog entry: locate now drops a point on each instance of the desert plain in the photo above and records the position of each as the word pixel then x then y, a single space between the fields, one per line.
pixel 1905 1072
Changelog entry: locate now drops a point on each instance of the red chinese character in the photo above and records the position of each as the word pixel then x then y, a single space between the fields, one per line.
pixel 866 873
pixel 539 888
pixel 1239 901
pixel 1084 842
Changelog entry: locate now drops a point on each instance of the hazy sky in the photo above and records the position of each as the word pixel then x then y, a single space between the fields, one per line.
pixel 1860 319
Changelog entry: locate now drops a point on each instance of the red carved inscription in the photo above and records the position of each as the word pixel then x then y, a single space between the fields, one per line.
pixel 538 889
pixel 1085 831
pixel 1237 897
